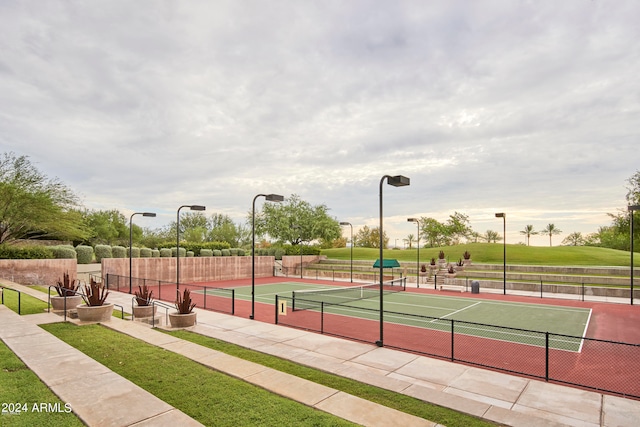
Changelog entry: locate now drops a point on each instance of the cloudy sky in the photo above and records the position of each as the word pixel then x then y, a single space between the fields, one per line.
pixel 526 107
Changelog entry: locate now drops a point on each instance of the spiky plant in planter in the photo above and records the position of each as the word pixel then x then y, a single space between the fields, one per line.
pixel 184 305
pixel 144 296
pixel 95 293
pixel 67 287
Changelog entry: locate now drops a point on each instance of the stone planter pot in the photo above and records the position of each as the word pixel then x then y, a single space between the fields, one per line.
pixel 57 302
pixel 142 311
pixel 178 320
pixel 467 261
pixel 97 313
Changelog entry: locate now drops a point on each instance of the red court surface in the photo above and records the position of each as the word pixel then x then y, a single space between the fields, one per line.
pixel 603 364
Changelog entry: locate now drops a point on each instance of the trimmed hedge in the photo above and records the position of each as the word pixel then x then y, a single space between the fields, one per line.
pixel 135 252
pixel 155 253
pixel 226 252
pixel 190 254
pixel 217 252
pixel 119 251
pixel 206 252
pixel 103 251
pixel 165 253
pixel 25 252
pixel 183 252
pixel 64 252
pixel 85 254
pixel 146 253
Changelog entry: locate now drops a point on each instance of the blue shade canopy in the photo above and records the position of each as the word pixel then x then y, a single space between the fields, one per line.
pixel 387 263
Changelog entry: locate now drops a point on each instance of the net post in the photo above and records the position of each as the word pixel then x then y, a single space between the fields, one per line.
pixel 233 301
pixel 322 317
pixel 276 306
pixel 452 340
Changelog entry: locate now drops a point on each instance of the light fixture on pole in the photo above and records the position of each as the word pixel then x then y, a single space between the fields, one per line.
pixel 193 208
pixel 268 198
pixel 396 181
pixel 632 209
pixel 151 214
pixel 416 220
pixel 351 256
pixel 504 251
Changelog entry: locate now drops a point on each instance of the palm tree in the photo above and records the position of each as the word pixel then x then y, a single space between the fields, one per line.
pixel 551 230
pixel 528 231
pixel 409 239
pixel 492 236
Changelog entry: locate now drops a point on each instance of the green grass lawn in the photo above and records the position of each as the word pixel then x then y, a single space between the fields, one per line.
pixel 28 304
pixel 491 253
pixel 212 398
pixel 384 397
pixel 19 385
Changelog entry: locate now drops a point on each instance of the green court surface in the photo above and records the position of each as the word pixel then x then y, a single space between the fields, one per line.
pixel 502 320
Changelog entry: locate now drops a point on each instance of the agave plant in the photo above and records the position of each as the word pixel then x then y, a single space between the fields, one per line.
pixel 95 293
pixel 184 305
pixel 66 287
pixel 466 255
pixel 144 296
pixel 441 255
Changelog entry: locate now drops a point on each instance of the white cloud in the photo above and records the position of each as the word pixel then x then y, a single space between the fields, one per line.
pixel 486 105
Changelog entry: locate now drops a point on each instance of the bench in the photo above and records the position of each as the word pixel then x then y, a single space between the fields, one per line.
pixel 455 288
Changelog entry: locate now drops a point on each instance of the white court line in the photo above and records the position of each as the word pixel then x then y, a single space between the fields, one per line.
pixel 457 311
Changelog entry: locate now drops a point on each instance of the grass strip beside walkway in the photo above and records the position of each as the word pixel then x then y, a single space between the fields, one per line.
pixel 204 394
pixel 388 398
pixel 27 401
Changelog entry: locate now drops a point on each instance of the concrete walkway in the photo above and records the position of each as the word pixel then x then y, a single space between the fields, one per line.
pixel 502 398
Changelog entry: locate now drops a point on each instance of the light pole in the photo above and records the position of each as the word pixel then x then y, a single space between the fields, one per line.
pixel 151 214
pixel 396 181
pixel 416 220
pixel 193 208
pixel 504 251
pixel 351 256
pixel 268 198
pixel 631 210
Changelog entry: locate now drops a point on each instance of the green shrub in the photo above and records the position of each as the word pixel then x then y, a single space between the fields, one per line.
pixel 190 254
pixel 183 251
pixel 119 251
pixel 241 252
pixel 64 252
pixel 278 253
pixel 226 252
pixel 25 252
pixel 217 252
pixel 155 253
pixel 233 251
pixel 146 253
pixel 165 253
pixel 206 252
pixel 135 252
pixel 85 254
pixel 103 251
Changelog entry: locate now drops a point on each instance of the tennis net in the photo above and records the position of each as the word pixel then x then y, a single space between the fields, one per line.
pixel 314 298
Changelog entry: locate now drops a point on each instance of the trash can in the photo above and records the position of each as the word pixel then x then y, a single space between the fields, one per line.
pixel 475 287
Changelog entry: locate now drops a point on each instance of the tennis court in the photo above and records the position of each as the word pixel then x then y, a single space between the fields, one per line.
pixel 497 320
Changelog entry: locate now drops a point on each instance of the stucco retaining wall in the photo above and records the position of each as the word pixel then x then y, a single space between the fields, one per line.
pixel 192 269
pixel 43 272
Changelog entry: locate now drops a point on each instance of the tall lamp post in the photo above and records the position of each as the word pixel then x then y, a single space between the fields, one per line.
pixel 396 181
pixel 151 214
pixel 268 198
pixel 417 221
pixel 351 256
pixel 631 210
pixel 504 251
pixel 193 208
